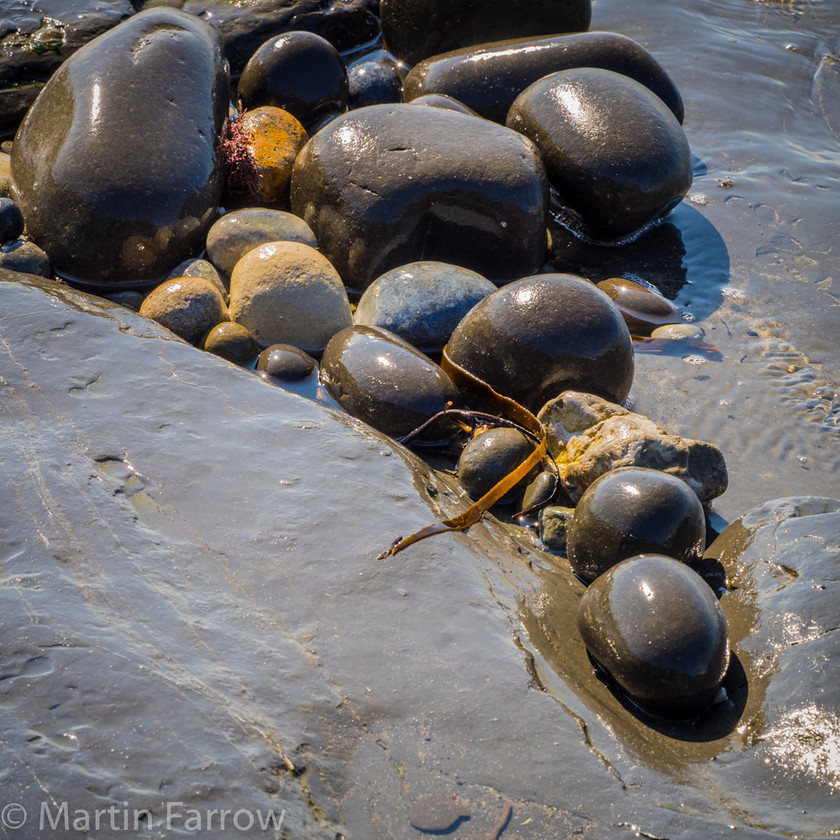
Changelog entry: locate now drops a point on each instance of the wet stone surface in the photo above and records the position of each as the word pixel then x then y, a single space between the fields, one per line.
pixel 489 457
pixel 119 187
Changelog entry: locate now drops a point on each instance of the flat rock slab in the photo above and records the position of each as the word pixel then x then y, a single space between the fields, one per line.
pixel 194 618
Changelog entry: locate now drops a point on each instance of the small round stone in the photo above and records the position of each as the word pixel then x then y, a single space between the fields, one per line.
pixel 554 526
pixel 535 338
pixel 489 457
pixel 679 332
pixel 381 379
pixel 262 148
pixel 540 490
pixel 300 72
pixel 232 236
pixel 199 268
pixel 642 308
pixel 373 82
pixel 422 302
pixel 189 306
pixel 635 510
pixel 25 257
pixel 656 627
pixel 11 221
pixel 289 293
pixel 232 342
pixel 286 362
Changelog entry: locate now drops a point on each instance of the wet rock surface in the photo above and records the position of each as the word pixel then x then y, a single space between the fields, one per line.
pixel 286 362
pixel 642 308
pixel 404 184
pixel 11 221
pixel 118 187
pixel 488 78
pixel 414 30
pixel 489 457
pixel 422 302
pixel 232 342
pixel 589 436
pixel 533 339
pixel 616 155
pixel 189 306
pixel 658 630
pixel 630 511
pixel 381 379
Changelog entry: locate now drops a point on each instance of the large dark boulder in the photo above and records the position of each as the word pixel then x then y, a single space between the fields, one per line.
pixel 391 184
pixel 115 166
pixel 416 29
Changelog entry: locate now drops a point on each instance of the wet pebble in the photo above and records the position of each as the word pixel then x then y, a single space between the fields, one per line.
pixel 391 184
pixel 656 627
pixel 630 511
pixel 374 82
pixel 532 339
pixel 300 72
pixel 416 29
pixel 116 165
pixel 679 332
pixel 436 813
pixel 489 457
pixel 422 302
pixel 382 379
pixel 232 342
pixel 642 308
pixel 25 256
pixel 286 362
pixel 189 306
pixel 540 490
pixel 289 293
pixel 261 148
pixel 616 155
pixel 554 526
pixel 232 236
pixel 200 268
pixel 488 78
pixel 11 221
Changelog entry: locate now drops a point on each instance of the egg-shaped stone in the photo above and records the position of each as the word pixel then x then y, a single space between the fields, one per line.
pixel 657 629
pixel 533 339
pixel 635 510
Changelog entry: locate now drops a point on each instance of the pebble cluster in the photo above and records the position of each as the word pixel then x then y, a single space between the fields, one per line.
pixel 377 213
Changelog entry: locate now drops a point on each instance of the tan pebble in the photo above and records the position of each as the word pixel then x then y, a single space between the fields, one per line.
pixel 189 306
pixel 289 293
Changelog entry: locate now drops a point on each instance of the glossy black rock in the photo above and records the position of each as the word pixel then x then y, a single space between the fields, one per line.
pixel 11 221
pixel 616 155
pixel 286 362
pixel 658 630
pixel 115 165
pixel 489 457
pixel 633 510
pixel 488 78
pixel 381 379
pixel 299 72
pixel 391 184
pixel 537 337
pixel 416 29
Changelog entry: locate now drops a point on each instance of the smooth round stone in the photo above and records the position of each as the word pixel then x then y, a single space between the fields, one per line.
pixel 374 82
pixel 416 29
pixel 300 72
pixel 286 362
pixel 232 236
pixel 436 813
pixel 656 627
pixel 679 332
pixel 261 147
pixel 533 339
pixel 540 490
pixel 635 510
pixel 441 100
pixel 199 268
pixel 26 257
pixel 488 78
pixel 116 166
pixel 232 342
pixel 616 155
pixel 289 293
pixel 489 457
pixel 422 302
pixel 11 221
pixel 391 184
pixel 381 379
pixel 189 306
pixel 642 308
